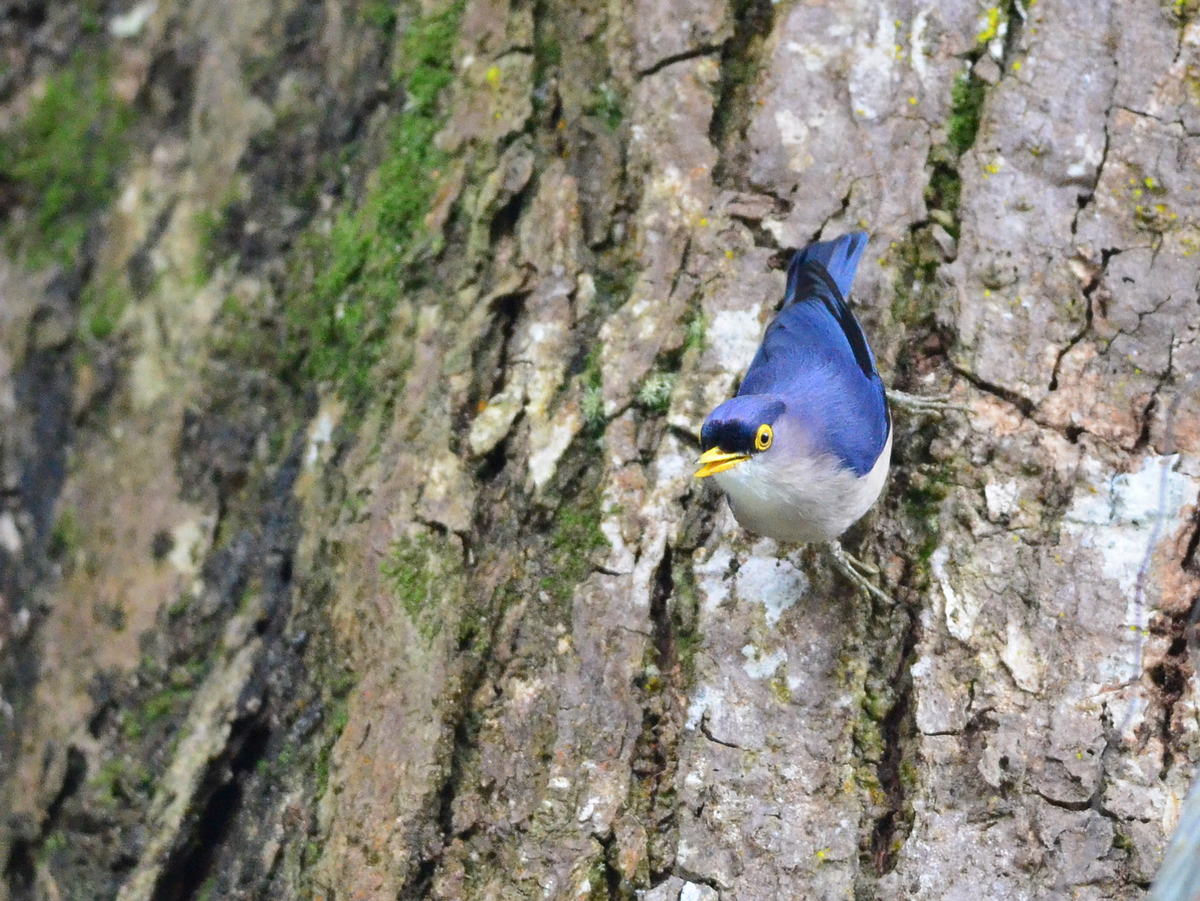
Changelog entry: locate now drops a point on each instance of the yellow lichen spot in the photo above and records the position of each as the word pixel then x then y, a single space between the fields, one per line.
pixel 1160 208
pixel 704 222
pixel 861 111
pixel 1017 66
pixel 1137 192
pixel 987 292
pixel 493 75
pixel 1079 755
pixel 729 254
pixel 912 101
pixel 992 28
pixel 822 853
pixel 1149 182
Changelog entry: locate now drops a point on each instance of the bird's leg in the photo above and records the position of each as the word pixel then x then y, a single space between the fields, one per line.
pixel 915 403
pixel 854 571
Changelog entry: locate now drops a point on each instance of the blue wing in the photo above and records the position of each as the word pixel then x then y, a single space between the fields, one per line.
pixel 816 356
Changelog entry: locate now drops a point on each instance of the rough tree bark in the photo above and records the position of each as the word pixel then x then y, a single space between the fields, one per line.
pixel 348 541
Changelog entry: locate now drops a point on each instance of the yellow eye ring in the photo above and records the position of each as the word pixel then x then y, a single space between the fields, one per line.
pixel 764 437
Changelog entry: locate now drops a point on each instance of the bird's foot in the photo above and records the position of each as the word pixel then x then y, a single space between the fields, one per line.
pixel 916 403
pixel 856 572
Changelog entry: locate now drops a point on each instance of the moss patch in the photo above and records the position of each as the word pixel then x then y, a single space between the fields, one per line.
pixel 966 111
pixel 337 323
pixel 62 160
pixel 423 573
pixel 102 304
pixel 574 537
pixel 655 392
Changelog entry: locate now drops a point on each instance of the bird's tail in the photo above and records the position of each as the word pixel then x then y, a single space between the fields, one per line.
pixel 840 258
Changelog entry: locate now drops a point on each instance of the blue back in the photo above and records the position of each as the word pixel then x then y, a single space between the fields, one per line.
pixel 815 355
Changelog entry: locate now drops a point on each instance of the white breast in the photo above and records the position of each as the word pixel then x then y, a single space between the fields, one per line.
pixel 801 499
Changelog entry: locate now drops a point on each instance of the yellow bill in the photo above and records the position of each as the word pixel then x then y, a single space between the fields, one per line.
pixel 716 460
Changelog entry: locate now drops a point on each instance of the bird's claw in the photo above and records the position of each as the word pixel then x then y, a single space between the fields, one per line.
pixel 854 569
pixel 916 403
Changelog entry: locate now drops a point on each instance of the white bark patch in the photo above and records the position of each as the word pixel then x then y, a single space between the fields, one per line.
pixel 447 496
pixel 736 335
pixel 130 24
pixel 712 579
pixel 706 702
pixel 493 422
pixel 873 71
pixel 916 43
pixel 693 891
pixel 10 536
pixel 1021 658
pixel 1115 514
pixel 320 436
pixel 815 57
pixel 961 607
pixel 190 543
pixel 549 441
pixel 792 131
pixel 762 666
pixel 1001 499
pixel 776 584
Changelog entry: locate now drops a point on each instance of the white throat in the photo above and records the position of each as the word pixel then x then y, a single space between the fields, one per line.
pixel 803 498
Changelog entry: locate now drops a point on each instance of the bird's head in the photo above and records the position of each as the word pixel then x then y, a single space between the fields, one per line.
pixel 740 429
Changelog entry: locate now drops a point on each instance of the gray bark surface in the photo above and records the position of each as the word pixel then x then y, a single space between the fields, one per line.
pixel 362 558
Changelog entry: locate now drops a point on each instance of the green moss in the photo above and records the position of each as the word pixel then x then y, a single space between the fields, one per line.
pixel 63 157
pixel 67 535
pixel 380 14
pixel 102 304
pixel 55 841
pixel 208 890
pixel 917 259
pixel 685 605
pixel 944 192
pixel 547 51
pixel 655 392
pixel 592 402
pixel 574 537
pixel 337 325
pixel 695 333
pixel 118 779
pixel 606 105
pixel 154 710
pixel 338 716
pixel 966 111
pixel 209 224
pixel 422 574
pixel 1183 10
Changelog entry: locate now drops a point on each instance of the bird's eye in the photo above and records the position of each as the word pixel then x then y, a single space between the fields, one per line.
pixel 764 437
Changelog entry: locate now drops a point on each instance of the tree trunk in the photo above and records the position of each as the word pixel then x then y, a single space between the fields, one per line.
pixel 349 545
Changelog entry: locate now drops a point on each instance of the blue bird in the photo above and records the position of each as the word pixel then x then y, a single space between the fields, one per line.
pixel 803 450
